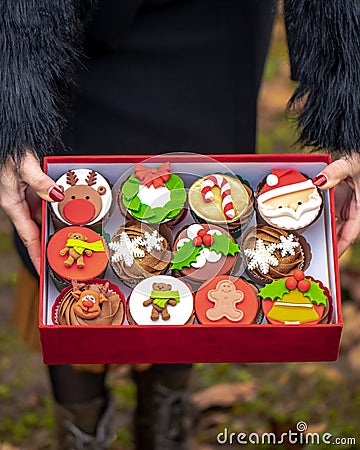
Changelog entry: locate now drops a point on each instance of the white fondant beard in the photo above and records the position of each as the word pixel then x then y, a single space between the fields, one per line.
pixel 290 219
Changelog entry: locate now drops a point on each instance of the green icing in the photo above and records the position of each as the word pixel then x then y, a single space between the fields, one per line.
pixel 140 211
pixel 316 293
pixel 188 252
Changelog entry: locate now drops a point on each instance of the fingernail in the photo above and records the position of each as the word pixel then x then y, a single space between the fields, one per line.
pixel 56 194
pixel 320 180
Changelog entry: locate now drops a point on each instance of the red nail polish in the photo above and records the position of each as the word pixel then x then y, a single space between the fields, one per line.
pixel 56 194
pixel 320 180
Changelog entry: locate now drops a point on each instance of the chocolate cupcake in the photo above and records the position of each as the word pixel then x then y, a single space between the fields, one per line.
pixel 288 199
pixel 202 251
pixel 153 195
pixel 94 303
pixel 161 300
pixel 76 253
pixel 271 253
pixel 296 300
pixel 139 251
pixel 223 200
pixel 87 199
pixel 227 300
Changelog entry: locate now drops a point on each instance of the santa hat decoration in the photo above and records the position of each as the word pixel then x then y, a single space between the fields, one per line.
pixel 282 182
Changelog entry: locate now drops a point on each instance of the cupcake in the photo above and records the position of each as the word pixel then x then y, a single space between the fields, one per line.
pixel 223 200
pixel 296 300
pixel 227 300
pixel 271 254
pixel 289 200
pixel 96 303
pixel 76 253
pixel 161 300
pixel 202 251
pixel 153 195
pixel 139 251
pixel 87 199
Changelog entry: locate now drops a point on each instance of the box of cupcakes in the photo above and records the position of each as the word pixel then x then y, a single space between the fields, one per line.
pixel 181 258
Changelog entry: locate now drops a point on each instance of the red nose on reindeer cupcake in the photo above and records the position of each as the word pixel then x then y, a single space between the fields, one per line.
pixel 297 280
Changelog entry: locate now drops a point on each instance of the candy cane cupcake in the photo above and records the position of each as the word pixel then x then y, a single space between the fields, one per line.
pixel 223 200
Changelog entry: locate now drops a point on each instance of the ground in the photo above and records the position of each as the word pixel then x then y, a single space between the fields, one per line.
pixel 229 398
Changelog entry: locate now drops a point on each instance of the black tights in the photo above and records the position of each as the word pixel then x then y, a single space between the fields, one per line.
pixel 71 386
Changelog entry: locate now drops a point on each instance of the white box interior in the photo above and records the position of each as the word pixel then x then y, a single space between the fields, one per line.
pixel 318 234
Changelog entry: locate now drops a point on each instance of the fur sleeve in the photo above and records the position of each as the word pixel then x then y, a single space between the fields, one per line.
pixel 324 48
pixel 38 41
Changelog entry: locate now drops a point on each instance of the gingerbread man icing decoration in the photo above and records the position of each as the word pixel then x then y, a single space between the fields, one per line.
pixel 225 298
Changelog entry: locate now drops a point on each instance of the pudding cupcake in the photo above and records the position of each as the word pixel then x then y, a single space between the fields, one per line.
pixel 139 251
pixel 227 300
pixel 296 300
pixel 289 200
pixel 161 300
pixel 76 253
pixel 223 200
pixel 202 251
pixel 87 199
pixel 153 195
pixel 271 253
pixel 94 303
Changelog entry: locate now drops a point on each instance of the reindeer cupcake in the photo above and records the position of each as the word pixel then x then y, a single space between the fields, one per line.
pixel 87 199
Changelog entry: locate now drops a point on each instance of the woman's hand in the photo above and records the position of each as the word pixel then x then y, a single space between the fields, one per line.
pixel 20 193
pixel 344 174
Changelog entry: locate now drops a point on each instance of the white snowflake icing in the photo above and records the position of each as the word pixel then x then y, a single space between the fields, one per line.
pixel 152 240
pixel 287 245
pixel 262 256
pixel 127 249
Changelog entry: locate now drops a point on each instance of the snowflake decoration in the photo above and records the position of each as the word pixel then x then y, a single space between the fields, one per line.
pixel 152 240
pixel 262 256
pixel 126 249
pixel 287 245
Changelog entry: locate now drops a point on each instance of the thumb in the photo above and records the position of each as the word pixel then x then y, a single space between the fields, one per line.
pixel 334 173
pixel 44 186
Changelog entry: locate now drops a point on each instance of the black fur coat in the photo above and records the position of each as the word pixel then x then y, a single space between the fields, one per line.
pixel 39 49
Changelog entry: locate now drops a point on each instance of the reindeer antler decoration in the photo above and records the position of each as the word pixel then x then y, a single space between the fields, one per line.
pixel 91 178
pixel 71 178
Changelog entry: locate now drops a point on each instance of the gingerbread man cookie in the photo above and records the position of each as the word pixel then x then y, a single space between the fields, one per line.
pixel 225 298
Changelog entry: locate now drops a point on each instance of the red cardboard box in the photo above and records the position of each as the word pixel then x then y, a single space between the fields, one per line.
pixel 197 343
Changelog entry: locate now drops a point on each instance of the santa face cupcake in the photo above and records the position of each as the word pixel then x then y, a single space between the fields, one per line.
pixel 153 195
pixel 227 300
pixel 271 254
pixel 223 200
pixel 296 300
pixel 87 198
pixel 287 199
pixel 202 251
pixel 161 300
pixel 139 251
pixel 94 303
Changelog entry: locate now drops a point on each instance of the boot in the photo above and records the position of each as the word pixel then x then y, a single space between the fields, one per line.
pixel 163 417
pixel 85 426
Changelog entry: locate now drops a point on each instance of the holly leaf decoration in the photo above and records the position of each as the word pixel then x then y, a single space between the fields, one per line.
pixel 134 204
pixel 224 245
pixel 130 188
pixel 185 255
pixel 274 290
pixel 316 294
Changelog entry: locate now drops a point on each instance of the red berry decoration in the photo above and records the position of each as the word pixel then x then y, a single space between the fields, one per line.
pixel 208 240
pixel 291 283
pixel 304 285
pixel 201 232
pixel 197 241
pixel 298 274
